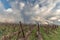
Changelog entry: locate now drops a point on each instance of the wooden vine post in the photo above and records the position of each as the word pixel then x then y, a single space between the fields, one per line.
pixel 22 31
pixel 38 28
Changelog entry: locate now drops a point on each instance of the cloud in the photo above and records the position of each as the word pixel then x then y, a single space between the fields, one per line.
pixel 28 12
pixel 57 12
pixel 22 5
pixel 9 10
pixel 53 18
pixel 10 14
pixel 7 20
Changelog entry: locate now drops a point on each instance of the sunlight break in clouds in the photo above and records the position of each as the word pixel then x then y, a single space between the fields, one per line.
pixel 59 20
pixel 53 18
pixel 9 10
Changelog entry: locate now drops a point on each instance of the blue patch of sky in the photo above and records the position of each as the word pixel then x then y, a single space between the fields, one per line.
pixel 6 4
pixel 45 3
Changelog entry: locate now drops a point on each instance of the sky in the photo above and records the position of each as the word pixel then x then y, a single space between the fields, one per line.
pixel 30 11
pixel 6 4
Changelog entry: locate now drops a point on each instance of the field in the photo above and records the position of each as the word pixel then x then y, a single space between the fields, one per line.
pixel 29 32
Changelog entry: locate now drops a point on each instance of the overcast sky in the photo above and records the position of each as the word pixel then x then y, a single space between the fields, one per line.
pixel 30 11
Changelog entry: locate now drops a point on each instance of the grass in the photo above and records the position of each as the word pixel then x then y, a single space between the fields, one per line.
pixel 4 30
pixel 51 36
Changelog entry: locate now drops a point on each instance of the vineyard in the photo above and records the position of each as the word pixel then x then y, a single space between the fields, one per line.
pixel 29 32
